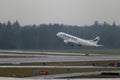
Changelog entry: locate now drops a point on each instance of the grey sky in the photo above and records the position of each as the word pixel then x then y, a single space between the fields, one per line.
pixel 74 12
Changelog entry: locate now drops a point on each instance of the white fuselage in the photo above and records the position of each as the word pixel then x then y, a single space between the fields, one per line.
pixel 72 39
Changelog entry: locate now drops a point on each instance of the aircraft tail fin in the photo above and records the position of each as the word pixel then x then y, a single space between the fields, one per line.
pixel 96 39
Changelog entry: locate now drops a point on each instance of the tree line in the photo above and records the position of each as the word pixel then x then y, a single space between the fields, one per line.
pixel 43 36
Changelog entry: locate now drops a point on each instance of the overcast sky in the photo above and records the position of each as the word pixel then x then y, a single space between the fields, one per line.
pixel 72 12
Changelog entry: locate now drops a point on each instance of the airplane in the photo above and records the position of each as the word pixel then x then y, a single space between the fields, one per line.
pixel 70 39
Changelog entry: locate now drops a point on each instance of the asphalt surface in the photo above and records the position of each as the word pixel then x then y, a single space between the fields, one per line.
pixel 51 57
pixel 54 67
pixel 10 78
pixel 42 53
pixel 58 58
pixel 31 57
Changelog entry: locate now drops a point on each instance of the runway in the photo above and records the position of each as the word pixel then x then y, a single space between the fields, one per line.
pixel 31 57
pixel 11 78
pixel 42 53
pixel 55 67
pixel 52 58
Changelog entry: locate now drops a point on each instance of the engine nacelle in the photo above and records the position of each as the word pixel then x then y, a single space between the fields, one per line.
pixel 65 41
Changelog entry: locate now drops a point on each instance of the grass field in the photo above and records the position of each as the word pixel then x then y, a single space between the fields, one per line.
pixel 28 72
pixel 82 63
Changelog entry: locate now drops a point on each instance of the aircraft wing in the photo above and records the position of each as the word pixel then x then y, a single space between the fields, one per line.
pixel 99 45
pixel 68 41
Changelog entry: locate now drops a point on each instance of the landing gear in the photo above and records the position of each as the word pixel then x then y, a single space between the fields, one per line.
pixel 79 45
pixel 72 45
pixel 68 42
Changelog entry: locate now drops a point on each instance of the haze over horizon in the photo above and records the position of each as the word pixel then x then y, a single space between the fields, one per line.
pixel 71 12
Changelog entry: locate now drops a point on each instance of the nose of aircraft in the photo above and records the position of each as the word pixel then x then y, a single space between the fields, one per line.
pixel 57 34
